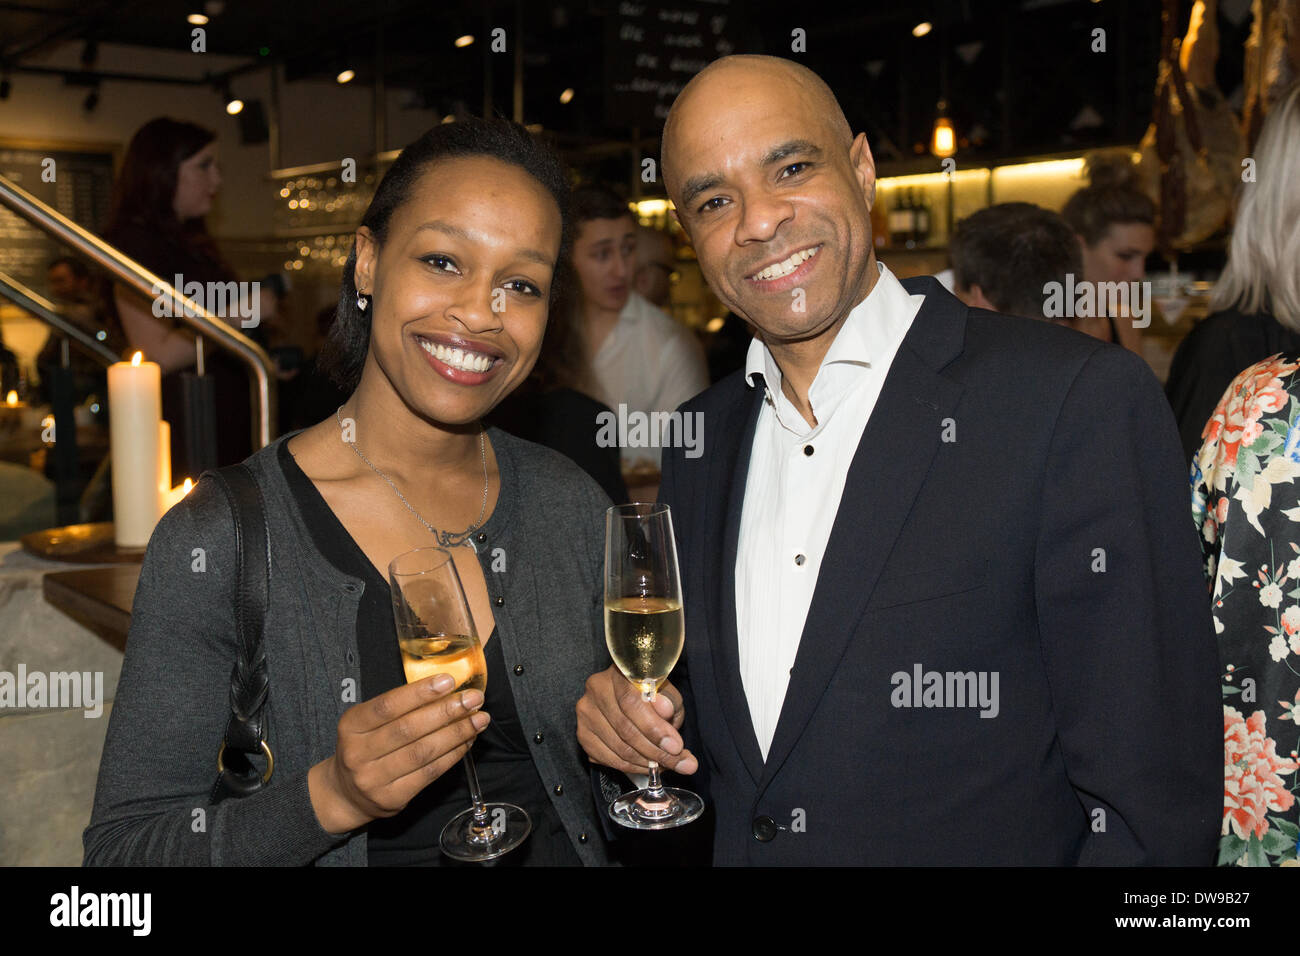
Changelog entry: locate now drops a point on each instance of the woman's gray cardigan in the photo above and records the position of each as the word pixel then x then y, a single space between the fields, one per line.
pixel 542 553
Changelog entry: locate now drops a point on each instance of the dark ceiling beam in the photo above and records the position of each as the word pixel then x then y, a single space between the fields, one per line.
pixel 86 17
pixel 86 77
pixel 35 8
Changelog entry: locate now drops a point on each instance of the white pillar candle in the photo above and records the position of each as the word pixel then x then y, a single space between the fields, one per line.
pixel 164 460
pixel 135 409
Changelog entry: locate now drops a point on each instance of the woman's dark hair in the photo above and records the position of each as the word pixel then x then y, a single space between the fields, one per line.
pixel 344 353
pixel 563 361
pixel 594 201
pixel 1111 197
pixel 145 191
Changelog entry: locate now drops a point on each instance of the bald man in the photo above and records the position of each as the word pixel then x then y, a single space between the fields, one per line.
pixel 943 605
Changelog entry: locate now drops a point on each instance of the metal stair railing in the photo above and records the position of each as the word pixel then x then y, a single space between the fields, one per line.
pixel 48 312
pixel 130 272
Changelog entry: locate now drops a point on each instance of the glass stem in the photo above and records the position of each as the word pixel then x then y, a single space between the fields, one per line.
pixel 481 821
pixel 654 786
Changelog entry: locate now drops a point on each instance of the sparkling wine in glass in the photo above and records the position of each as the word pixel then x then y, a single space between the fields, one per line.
pixel 644 629
pixel 436 634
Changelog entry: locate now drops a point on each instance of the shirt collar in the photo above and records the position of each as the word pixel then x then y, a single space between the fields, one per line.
pixel 635 308
pixel 875 326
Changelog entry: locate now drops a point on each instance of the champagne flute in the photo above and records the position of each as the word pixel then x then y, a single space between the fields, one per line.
pixel 644 629
pixel 436 633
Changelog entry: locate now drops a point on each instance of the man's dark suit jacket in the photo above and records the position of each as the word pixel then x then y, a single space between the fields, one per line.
pixel 1018 504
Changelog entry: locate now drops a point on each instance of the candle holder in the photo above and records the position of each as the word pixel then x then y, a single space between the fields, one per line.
pixel 80 544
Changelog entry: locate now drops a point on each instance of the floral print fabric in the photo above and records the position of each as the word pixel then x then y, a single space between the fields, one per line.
pixel 1246 505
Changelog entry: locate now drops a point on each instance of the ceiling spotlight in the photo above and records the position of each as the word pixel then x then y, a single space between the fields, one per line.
pixel 465 40
pixel 922 28
pixel 196 19
pixel 346 76
pixel 233 103
pixel 567 95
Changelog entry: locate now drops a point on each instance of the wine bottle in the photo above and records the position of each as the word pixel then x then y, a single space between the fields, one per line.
pixel 923 221
pixel 909 220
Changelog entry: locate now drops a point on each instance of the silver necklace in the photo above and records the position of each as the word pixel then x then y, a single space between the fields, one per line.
pixel 445 538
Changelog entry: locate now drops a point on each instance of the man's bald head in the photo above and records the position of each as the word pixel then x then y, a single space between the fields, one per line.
pixel 719 83
pixel 765 174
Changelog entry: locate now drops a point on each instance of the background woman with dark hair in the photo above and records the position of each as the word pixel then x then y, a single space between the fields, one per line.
pixel 441 314
pixel 168 179
pixel 1115 223
pixel 557 406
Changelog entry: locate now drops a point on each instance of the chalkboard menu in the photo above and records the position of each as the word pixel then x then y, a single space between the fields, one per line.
pixel 652 50
pixel 81 189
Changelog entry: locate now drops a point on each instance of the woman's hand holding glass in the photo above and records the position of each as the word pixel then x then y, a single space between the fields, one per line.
pixel 391 747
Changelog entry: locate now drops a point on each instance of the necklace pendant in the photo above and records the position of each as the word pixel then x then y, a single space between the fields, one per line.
pixel 449 540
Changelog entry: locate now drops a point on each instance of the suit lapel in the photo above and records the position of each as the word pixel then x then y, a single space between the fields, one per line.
pixel 893 457
pixel 729 470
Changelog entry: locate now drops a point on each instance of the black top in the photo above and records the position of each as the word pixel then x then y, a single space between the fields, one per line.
pixel 505 767
pixel 566 420
pixel 1219 349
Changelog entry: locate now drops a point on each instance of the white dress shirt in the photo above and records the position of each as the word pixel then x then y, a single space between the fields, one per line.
pixel 650 363
pixel 792 494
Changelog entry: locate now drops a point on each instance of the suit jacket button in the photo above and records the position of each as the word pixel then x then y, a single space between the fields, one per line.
pixel 480 537
pixel 582 838
pixel 559 789
pixel 519 669
pixel 500 601
pixel 537 737
pixel 764 829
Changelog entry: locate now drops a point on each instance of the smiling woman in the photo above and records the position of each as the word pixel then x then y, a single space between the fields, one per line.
pixel 441 314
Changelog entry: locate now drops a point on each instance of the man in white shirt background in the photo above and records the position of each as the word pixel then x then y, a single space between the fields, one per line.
pixel 642 359
pixel 943 605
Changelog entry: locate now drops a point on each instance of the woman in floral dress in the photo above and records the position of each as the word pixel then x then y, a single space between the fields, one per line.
pixel 1246 504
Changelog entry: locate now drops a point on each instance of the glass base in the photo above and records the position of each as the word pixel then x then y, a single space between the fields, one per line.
pixel 648 810
pixel 507 827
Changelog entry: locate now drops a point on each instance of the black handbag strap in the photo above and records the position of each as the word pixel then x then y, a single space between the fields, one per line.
pixel 246 729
